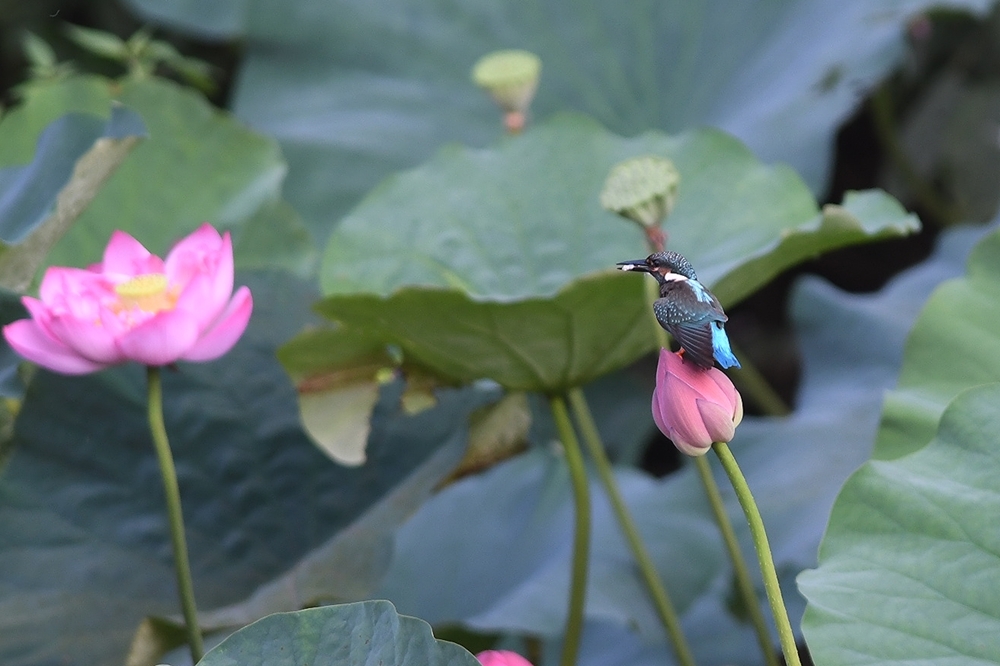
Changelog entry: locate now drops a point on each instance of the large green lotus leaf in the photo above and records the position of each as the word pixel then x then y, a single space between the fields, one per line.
pixel 355 91
pixel 83 541
pixel 521 222
pixel 910 560
pixel 523 219
pixel 368 632
pixel 852 348
pixel 592 327
pixel 197 165
pixel 954 346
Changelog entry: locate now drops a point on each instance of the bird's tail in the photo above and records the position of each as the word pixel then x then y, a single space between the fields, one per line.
pixel 720 347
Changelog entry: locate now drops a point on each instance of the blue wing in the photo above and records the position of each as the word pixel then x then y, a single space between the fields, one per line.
pixel 694 317
pixel 720 347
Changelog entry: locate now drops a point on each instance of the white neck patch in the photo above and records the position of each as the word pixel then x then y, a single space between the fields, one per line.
pixel 674 277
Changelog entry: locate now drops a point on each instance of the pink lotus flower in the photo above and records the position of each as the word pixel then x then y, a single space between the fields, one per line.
pixel 501 658
pixel 134 306
pixel 694 407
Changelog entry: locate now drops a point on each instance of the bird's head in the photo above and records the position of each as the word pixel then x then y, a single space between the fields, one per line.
pixel 661 264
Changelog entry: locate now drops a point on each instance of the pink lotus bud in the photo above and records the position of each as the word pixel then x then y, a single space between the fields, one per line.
pixel 501 658
pixel 694 407
pixel 134 306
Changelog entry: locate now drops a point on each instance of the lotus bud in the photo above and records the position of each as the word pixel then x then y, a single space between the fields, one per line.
pixel 694 407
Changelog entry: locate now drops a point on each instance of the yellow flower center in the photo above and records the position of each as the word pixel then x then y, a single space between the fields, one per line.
pixel 149 293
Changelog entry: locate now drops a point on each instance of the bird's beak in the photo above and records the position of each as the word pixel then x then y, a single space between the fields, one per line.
pixel 634 265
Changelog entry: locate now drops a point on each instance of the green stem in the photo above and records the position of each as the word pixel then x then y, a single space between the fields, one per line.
pixel 581 534
pixel 664 608
pixel 174 514
pixel 743 582
pixel 756 523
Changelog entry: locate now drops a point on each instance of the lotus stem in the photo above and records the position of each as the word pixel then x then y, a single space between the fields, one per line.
pixel 756 523
pixel 175 515
pixel 581 533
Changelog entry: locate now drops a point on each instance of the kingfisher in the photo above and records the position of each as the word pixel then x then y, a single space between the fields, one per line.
pixel 687 309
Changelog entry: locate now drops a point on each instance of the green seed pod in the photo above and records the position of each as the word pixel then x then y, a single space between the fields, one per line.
pixel 511 78
pixel 642 189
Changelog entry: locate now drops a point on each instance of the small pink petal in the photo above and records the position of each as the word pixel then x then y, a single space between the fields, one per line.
pixel 197 252
pixel 720 388
pixel 63 286
pixel 202 266
pixel 686 423
pixel 226 331
pixel 691 448
pixel 39 313
pixel 88 338
pixel 658 412
pixel 161 339
pixel 737 410
pixel 126 256
pixel 707 383
pixel 27 339
pixel 204 240
pixel 718 421
pixel 222 283
pixel 203 300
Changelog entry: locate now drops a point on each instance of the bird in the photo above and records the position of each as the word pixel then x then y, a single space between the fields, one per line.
pixel 687 309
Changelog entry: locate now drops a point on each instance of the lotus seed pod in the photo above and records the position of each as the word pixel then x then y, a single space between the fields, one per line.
pixel 511 78
pixel 642 189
